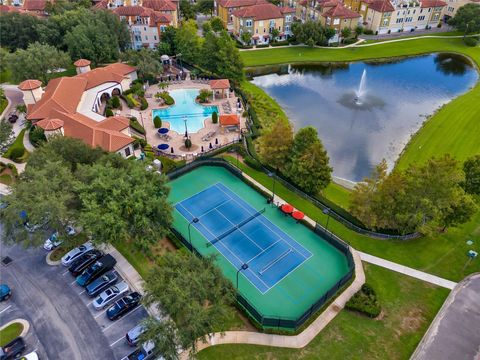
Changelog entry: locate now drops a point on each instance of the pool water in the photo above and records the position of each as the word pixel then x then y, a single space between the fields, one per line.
pixel 185 107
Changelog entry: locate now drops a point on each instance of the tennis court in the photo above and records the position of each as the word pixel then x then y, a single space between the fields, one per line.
pixel 290 267
pixel 243 235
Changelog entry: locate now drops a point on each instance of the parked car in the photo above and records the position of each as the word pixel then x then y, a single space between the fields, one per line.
pixel 12 119
pixel 75 253
pixel 99 267
pixel 5 292
pixel 52 242
pixel 34 227
pixel 31 356
pixel 110 295
pixel 124 306
pixel 134 334
pixel 13 349
pixel 144 352
pixel 84 261
pixel 101 283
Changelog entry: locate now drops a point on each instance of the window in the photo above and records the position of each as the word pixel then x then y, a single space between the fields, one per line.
pixel 336 21
pixel 429 9
pixel 435 17
pixel 385 22
pixel 399 20
pixel 127 151
pixel 144 29
pixel 248 23
pixel 421 18
pixel 362 7
pixel 155 37
pixel 288 18
pixel 272 23
pixel 241 22
pixel 409 19
pixel 287 28
pixel 146 37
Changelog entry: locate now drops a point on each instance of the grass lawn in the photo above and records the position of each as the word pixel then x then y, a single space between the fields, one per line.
pixel 18 143
pixel 443 254
pixel 3 104
pixel 453 129
pixel 338 195
pixel 11 332
pixel 408 306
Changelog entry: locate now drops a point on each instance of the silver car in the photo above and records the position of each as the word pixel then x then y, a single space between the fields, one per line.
pixel 110 295
pixel 74 254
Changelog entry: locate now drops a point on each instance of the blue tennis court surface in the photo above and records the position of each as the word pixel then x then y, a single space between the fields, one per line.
pixel 243 235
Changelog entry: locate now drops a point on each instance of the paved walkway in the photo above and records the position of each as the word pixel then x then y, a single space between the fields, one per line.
pixel 20 167
pixel 455 331
pixel 26 142
pixel 432 279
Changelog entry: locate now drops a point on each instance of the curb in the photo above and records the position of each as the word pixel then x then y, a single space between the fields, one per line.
pixel 51 262
pixel 25 323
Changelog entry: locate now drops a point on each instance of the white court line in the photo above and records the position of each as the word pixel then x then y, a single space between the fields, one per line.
pixel 8 307
pixel 116 341
pixel 115 321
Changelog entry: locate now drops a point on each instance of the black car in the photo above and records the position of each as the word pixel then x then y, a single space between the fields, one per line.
pixel 99 267
pixel 84 261
pixel 12 119
pixel 101 283
pixel 124 306
pixel 13 349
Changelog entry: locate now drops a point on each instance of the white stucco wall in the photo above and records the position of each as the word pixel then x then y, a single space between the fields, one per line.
pixel 92 97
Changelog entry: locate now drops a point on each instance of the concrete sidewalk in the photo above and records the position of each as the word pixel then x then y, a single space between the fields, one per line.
pixel 432 279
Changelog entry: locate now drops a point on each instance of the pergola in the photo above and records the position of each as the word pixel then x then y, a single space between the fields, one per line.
pixel 220 85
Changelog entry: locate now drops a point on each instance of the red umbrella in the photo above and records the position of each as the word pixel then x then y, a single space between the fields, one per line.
pixel 287 208
pixel 298 215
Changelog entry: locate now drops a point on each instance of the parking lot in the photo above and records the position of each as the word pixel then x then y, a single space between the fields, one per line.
pixel 64 324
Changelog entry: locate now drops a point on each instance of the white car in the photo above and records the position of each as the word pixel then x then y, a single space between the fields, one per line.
pixel 75 253
pixel 110 295
pixel 31 356
pixel 52 242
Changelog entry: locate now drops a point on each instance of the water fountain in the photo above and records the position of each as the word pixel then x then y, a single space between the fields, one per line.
pixel 361 88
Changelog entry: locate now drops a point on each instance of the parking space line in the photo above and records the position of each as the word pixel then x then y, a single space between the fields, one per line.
pixel 8 307
pixel 80 293
pixel 98 315
pixel 116 321
pixel 116 341
pixel 90 302
pixel 73 282
pixel 66 272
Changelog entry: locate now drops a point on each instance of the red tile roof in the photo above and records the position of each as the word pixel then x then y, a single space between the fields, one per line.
pixel 328 3
pixel 159 5
pixel 50 124
pixel 7 8
pixel 240 3
pixel 155 16
pixel 219 84
pixel 29 84
pixel 340 11
pixel 82 62
pixel 34 5
pixel 433 3
pixel 115 123
pixel 229 119
pixel 381 6
pixel 259 12
pixel 287 10
pixel 111 73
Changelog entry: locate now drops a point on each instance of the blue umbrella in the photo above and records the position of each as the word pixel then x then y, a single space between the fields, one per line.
pixel 163 130
pixel 163 146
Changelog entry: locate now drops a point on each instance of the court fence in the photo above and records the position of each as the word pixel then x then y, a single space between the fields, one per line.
pixel 267 322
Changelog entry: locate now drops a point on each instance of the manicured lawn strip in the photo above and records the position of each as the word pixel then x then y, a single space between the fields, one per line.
pixel 11 332
pixel 442 254
pixel 3 104
pixel 18 143
pixel 409 305
pixel 338 195
pixel 447 33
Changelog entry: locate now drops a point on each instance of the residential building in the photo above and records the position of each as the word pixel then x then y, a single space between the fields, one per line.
pixel 260 20
pixel 145 25
pixel 453 5
pixel 32 7
pixel 72 106
pixel 224 9
pixel 338 18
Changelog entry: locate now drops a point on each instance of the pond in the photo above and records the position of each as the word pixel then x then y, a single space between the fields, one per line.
pixel 366 111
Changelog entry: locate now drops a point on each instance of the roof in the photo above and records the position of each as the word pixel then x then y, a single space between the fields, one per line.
pixel 432 3
pixel 8 8
pixel 287 10
pixel 155 16
pixel 259 12
pixel 111 73
pixel 34 5
pixel 50 124
pixel 328 3
pixel 159 5
pixel 381 6
pixel 116 123
pixel 82 62
pixel 229 119
pixel 240 3
pixel 29 84
pixel 340 11
pixel 220 84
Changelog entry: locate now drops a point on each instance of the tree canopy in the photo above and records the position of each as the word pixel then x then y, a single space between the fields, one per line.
pixel 275 145
pixel 193 298
pixel 467 19
pixel 146 61
pixel 312 33
pixel 471 168
pixel 111 198
pixel 187 42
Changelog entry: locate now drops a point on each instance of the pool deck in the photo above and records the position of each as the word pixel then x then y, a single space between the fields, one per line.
pixel 177 140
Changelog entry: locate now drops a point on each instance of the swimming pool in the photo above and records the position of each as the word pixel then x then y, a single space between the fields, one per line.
pixel 185 107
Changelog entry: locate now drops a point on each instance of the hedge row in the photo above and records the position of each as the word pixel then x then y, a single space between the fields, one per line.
pixel 135 125
pixel 365 301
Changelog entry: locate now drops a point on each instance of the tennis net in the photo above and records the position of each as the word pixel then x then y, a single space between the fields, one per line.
pixel 235 227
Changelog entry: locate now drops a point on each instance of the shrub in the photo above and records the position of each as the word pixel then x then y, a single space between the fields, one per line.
pixel 115 102
pixel 365 301
pixel 143 103
pixel 254 164
pixel 470 41
pixel 214 117
pixel 139 142
pixel 167 98
pixel 13 168
pixel 17 153
pixel 157 122
pixel 37 136
pixel 280 43
pixel 368 32
pixel 263 46
pixel 129 100
pixel 349 41
pixel 135 125
pixel 108 112
pixel 188 143
pixel 204 96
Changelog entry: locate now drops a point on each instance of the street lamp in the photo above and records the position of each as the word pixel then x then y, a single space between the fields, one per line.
pixel 244 267
pixel 272 175
pixel 326 211
pixel 194 220
pixel 186 130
